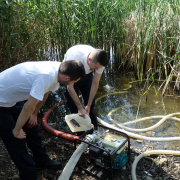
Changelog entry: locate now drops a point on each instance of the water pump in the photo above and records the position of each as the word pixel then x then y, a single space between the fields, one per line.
pixel 108 154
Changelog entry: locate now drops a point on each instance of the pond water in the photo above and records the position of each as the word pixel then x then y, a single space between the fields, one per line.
pixel 119 89
pixel 133 102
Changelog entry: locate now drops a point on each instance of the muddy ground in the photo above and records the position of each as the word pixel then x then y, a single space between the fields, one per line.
pixel 156 167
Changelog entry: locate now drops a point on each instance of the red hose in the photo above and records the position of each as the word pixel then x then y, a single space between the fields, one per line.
pixel 54 132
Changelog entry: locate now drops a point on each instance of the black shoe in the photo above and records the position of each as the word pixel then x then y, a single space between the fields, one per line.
pixel 50 164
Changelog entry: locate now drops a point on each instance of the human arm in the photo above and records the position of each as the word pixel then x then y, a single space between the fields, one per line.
pixel 94 88
pixel 76 100
pixel 24 115
pixel 33 118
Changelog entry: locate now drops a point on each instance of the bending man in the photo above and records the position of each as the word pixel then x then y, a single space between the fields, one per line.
pixel 92 59
pixel 31 81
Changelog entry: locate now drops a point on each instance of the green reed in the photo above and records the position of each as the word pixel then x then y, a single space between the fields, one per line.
pixel 144 34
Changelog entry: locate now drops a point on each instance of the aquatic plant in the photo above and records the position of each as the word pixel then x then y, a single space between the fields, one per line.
pixel 143 34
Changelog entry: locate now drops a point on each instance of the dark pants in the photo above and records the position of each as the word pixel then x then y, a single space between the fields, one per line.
pixel 17 147
pixel 84 86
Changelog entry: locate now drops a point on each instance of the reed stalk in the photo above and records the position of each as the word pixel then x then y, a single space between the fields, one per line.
pixel 144 34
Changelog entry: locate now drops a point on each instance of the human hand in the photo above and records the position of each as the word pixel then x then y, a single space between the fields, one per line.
pixel 32 121
pixel 82 113
pixel 20 135
pixel 87 109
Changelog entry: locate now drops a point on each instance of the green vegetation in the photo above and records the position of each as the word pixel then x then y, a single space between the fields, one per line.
pixel 144 34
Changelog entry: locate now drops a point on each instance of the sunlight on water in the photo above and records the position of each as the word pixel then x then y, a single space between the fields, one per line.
pixel 132 104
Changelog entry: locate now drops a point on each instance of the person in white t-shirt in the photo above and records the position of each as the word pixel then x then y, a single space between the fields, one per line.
pixel 92 59
pixel 31 81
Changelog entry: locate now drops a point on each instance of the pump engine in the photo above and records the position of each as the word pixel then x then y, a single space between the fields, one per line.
pixel 108 154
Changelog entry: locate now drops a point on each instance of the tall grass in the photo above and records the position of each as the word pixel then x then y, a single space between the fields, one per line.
pixel 144 34
pixel 152 34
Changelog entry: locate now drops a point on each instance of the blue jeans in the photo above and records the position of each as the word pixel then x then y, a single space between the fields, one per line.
pixel 17 147
pixel 84 86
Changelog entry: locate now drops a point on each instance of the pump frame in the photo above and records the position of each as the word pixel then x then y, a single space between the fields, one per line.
pixel 104 171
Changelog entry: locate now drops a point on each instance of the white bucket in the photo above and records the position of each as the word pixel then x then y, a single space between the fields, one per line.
pixel 77 123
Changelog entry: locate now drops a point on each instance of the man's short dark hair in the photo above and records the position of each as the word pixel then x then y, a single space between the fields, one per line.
pixel 72 68
pixel 100 56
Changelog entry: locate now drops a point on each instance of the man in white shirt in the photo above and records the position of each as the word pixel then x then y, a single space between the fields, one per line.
pixel 31 81
pixel 92 59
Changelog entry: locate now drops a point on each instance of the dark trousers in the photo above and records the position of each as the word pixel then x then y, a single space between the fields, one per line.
pixel 84 86
pixel 17 147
